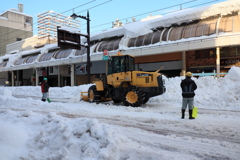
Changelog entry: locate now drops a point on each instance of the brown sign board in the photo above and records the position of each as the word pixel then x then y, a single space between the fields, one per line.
pixel 230 61
pixel 68 40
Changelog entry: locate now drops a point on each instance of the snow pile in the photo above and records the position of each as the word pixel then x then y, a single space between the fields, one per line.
pixel 5 92
pixel 29 135
pixel 233 74
pixel 53 137
pixel 71 139
pixel 72 94
pixel 13 136
pixel 218 93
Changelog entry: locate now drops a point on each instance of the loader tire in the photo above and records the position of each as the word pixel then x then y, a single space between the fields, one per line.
pixel 133 96
pixel 93 94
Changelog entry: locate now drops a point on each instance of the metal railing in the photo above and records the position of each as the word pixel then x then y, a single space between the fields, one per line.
pixel 203 74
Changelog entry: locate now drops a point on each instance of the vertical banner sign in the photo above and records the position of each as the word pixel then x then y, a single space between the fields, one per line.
pixel 105 55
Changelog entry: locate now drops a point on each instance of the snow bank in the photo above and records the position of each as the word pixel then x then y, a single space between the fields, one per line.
pixel 218 93
pixel 53 137
pixel 5 92
pixel 71 139
pixel 31 135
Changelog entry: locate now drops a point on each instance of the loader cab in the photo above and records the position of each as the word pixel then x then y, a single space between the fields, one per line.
pixel 121 63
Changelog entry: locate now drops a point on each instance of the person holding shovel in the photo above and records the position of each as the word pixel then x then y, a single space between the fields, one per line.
pixel 44 88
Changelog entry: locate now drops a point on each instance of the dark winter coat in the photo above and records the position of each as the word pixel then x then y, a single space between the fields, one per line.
pixel 44 86
pixel 188 86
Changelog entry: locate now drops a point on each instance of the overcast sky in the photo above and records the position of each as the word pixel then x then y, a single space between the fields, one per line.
pixel 104 12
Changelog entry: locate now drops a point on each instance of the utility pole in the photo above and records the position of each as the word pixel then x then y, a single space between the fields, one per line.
pixel 88 49
pixel 74 16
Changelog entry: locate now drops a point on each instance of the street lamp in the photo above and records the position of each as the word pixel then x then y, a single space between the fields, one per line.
pixel 74 16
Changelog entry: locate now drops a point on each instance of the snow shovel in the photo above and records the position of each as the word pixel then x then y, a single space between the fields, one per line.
pixel 195 112
pixel 48 99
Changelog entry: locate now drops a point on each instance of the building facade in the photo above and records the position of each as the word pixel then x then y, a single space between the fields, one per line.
pixel 204 39
pixel 14 26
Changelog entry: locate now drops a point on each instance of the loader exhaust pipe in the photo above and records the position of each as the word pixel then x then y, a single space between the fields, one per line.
pixel 159 69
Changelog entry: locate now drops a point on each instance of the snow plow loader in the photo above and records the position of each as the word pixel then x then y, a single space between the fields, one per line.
pixel 123 84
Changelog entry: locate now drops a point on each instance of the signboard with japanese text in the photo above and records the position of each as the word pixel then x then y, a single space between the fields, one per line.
pixel 230 61
pixel 68 39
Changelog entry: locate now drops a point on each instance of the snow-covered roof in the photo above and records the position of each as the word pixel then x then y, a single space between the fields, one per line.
pixel 3 18
pixel 187 15
pixel 15 11
pixel 70 29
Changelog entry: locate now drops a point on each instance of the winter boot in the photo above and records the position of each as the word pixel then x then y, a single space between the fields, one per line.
pixel 183 113
pixel 43 100
pixel 190 114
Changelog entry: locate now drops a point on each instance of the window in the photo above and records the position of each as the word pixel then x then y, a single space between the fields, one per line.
pixel 50 69
pixel 206 53
pixel 238 50
pixel 230 51
pixel 121 64
pixel 28 20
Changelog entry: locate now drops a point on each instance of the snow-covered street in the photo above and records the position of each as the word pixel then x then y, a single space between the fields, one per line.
pixel 70 129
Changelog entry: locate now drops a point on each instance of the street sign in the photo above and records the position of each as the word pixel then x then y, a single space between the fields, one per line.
pixel 105 58
pixel 105 55
pixel 68 39
pixel 105 52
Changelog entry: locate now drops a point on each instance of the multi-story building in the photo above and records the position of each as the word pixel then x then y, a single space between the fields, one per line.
pixel 14 26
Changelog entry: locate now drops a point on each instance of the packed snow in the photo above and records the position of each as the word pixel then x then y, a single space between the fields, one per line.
pixel 71 129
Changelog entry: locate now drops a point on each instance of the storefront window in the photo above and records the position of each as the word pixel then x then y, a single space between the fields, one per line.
pixel 230 51
pixel 238 50
pixel 206 53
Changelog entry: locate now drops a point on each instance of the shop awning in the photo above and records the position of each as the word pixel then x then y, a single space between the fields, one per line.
pixel 47 56
pixel 31 59
pixel 63 53
pixel 81 52
pixel 21 61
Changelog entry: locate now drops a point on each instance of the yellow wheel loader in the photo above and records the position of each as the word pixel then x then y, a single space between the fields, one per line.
pixel 125 84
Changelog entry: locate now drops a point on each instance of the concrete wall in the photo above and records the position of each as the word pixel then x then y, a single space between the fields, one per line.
pixel 172 65
pixel 10 35
pixel 17 20
pixel 14 25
